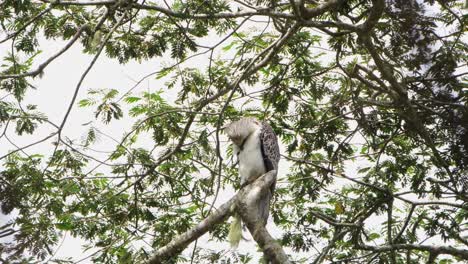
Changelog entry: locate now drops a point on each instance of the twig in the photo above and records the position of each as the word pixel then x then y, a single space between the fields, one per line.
pixel 43 65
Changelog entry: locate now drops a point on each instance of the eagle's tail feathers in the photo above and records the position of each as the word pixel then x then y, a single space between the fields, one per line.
pixel 235 232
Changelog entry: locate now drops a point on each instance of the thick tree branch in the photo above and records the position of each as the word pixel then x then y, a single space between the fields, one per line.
pixel 223 15
pixel 374 16
pixel 246 200
pixel 403 105
pixel 308 13
pixel 305 12
pixel 182 241
pixel 247 208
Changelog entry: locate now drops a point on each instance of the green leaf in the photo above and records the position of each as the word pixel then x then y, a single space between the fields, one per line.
pixel 164 72
pixel 111 94
pixel 65 226
pixel 86 102
pixel 339 208
pixel 229 46
pixel 132 99
pixel 373 236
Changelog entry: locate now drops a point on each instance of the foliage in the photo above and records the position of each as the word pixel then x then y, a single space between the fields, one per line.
pixel 379 83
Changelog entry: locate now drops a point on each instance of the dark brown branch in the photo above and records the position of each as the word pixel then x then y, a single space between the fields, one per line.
pixel 461 253
pixel 29 145
pixel 82 3
pixel 332 221
pixel 25 25
pixel 405 225
pixel 337 235
pixel 374 16
pixel 258 12
pixel 405 109
pixel 49 60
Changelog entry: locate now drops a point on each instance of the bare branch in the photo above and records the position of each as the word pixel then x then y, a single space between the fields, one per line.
pixel 461 253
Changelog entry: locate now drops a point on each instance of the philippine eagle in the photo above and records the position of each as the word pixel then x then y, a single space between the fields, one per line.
pixel 256 147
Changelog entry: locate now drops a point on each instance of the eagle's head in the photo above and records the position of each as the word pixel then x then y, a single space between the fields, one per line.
pixel 239 130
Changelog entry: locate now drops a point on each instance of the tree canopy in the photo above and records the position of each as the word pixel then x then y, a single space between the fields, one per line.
pixel 377 83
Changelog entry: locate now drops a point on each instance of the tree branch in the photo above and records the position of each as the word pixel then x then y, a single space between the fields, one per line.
pixel 49 60
pixel 182 241
pixel 308 13
pixel 461 253
pixel 245 200
pixel 247 203
pixel 29 22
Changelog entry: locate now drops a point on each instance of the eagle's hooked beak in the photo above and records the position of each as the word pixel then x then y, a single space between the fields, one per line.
pixel 237 140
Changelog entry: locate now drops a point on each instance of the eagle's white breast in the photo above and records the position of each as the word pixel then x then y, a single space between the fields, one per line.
pixel 251 164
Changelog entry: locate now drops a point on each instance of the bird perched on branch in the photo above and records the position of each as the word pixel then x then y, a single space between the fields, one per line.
pixel 257 150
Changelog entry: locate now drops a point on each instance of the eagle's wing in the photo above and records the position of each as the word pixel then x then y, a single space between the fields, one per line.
pixel 269 147
pixel 271 155
pixel 463 183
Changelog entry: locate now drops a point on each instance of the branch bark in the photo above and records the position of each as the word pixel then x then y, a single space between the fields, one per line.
pixel 247 208
pixel 308 13
pixel 245 200
pixel 182 241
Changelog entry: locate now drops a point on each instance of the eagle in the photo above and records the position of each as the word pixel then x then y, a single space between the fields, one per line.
pixel 256 146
